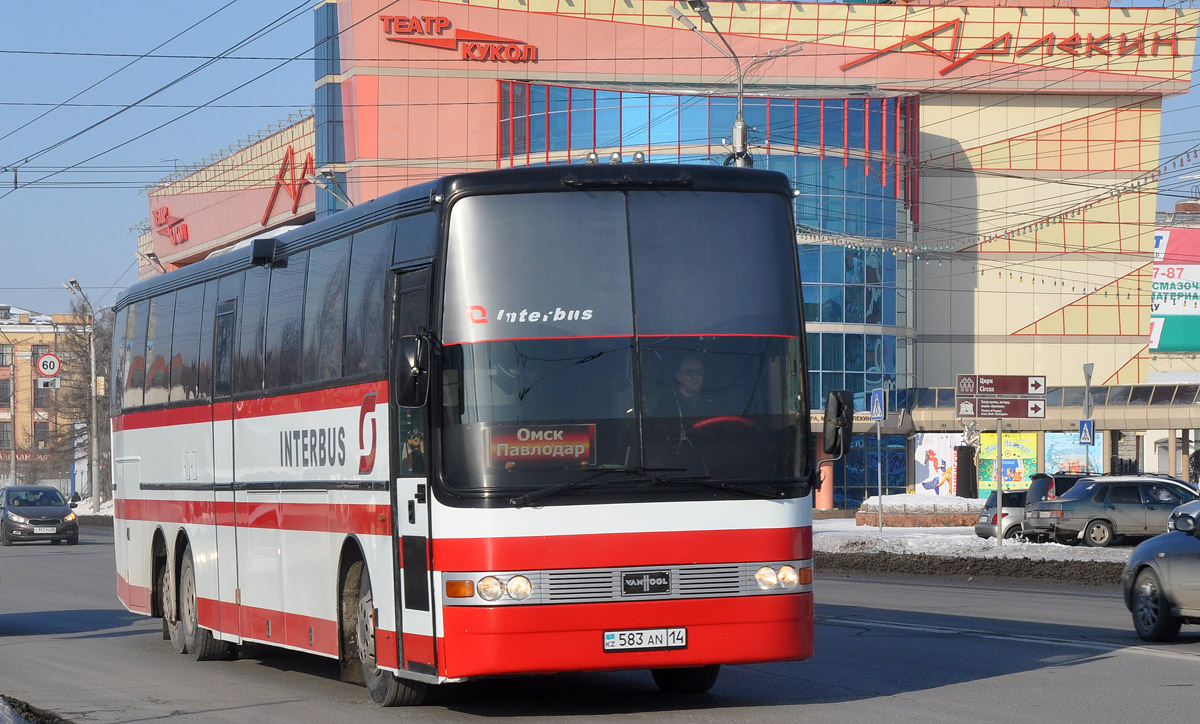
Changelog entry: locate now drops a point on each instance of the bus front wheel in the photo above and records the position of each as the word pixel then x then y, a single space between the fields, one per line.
pixel 689 680
pixel 359 642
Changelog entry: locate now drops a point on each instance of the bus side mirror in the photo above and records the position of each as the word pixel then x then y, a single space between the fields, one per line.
pixel 839 417
pixel 412 371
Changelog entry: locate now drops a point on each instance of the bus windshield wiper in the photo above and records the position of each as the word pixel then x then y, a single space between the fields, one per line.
pixel 536 495
pixel 749 488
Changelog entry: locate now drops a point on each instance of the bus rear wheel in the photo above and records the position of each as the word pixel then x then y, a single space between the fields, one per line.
pixel 358 642
pixel 172 631
pixel 689 680
pixel 199 641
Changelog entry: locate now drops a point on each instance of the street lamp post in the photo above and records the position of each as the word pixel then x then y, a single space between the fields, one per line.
pixel 75 289
pixel 741 155
pixel 12 407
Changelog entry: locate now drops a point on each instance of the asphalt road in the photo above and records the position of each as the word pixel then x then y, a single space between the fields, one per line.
pixel 904 650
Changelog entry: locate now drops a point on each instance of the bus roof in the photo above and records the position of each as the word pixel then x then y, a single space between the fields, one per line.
pixel 421 197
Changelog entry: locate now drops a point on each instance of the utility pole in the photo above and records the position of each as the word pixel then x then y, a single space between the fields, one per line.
pixel 73 287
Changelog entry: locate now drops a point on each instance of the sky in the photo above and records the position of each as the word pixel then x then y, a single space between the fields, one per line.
pixel 77 224
pixel 56 94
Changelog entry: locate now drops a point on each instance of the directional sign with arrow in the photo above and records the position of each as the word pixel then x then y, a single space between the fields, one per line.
pixel 978 385
pixel 1001 407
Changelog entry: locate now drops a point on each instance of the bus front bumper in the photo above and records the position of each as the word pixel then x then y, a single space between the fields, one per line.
pixel 537 639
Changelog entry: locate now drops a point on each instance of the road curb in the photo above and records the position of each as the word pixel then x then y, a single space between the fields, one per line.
pixel 1087 573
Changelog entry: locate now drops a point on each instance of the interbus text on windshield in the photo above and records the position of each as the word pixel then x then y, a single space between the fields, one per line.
pixel 479 315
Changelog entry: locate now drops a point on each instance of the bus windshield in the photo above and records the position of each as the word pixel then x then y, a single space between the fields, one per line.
pixel 641 338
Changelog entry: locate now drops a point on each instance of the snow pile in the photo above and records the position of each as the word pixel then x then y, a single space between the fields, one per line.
pixel 85 508
pixel 922 504
pixel 842 535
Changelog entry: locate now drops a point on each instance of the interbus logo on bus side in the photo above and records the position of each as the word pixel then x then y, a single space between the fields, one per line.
pixel 312 448
pixel 366 457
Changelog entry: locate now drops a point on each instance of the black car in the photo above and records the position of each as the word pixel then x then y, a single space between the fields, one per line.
pixel 36 512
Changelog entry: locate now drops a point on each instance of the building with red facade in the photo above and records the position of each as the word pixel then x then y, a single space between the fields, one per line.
pixel 975 181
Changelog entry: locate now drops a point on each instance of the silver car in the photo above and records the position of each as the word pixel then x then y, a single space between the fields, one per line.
pixel 1161 582
pixel 1011 515
pixel 1099 511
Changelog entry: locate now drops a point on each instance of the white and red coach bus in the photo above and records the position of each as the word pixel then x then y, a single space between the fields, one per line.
pixel 512 422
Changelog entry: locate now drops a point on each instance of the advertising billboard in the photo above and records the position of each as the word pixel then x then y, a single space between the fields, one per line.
pixel 1175 299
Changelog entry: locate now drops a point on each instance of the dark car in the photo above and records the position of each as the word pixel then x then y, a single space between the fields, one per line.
pixel 1043 487
pixel 1100 510
pixel 1161 582
pixel 36 512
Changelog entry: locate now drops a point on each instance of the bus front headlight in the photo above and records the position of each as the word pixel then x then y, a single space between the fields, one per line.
pixel 519 588
pixel 490 588
pixel 788 578
pixel 766 577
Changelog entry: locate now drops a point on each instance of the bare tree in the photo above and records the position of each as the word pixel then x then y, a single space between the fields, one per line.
pixel 72 406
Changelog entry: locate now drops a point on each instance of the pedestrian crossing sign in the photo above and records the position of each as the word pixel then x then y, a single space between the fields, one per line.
pixel 878 408
pixel 1087 432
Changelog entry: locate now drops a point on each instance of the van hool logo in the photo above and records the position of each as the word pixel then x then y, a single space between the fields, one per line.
pixel 945 41
pixel 430 30
pixel 479 315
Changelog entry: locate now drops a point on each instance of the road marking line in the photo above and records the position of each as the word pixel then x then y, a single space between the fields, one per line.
pixel 978 633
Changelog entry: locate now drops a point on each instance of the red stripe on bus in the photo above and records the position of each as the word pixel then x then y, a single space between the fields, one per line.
pixel 332 398
pixel 544 639
pixel 135 598
pixel 270 626
pixel 616 336
pixel 622 549
pixel 361 519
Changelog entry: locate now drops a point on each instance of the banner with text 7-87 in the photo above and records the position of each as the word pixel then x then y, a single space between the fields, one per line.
pixel 1175 296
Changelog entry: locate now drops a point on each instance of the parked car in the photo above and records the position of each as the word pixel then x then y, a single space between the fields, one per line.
pixel 36 512
pixel 1011 515
pixel 1161 582
pixel 1100 510
pixel 1043 487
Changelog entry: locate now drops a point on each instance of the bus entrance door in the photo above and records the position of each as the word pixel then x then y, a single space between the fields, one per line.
pixel 416 635
pixel 228 591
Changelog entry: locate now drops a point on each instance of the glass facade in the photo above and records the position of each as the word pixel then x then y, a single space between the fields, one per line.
pixel 847 159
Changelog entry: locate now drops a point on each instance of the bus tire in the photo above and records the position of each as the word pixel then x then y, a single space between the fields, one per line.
pixel 166 591
pixel 688 680
pixel 199 641
pixel 358 637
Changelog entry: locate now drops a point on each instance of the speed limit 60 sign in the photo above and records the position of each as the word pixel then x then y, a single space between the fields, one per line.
pixel 48 365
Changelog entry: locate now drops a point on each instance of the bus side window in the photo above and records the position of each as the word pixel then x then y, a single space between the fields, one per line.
pixel 248 374
pixel 185 342
pixel 367 302
pixel 412 312
pixel 158 349
pixel 120 360
pixel 325 310
pixel 223 349
pixel 204 364
pixel 135 371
